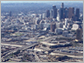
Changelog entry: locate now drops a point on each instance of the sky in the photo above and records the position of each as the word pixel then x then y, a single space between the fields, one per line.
pixel 36 1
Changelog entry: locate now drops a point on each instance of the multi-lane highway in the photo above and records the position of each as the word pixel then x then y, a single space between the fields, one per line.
pixel 21 48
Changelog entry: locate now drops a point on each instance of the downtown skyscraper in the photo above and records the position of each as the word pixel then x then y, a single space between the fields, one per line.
pixel 54 11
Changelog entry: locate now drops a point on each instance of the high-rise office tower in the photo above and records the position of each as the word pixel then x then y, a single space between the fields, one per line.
pixel 61 12
pixel 79 34
pixel 47 13
pixel 43 15
pixel 66 23
pixel 54 6
pixel 53 27
pixel 51 13
pixel 58 17
pixel 71 12
pixel 54 12
pixel 10 13
pixel 66 12
pixel 62 6
pixel 77 13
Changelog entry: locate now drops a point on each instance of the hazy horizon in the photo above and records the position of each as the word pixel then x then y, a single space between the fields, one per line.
pixel 39 1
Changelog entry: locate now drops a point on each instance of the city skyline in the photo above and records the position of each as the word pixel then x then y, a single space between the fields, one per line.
pixel 40 32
